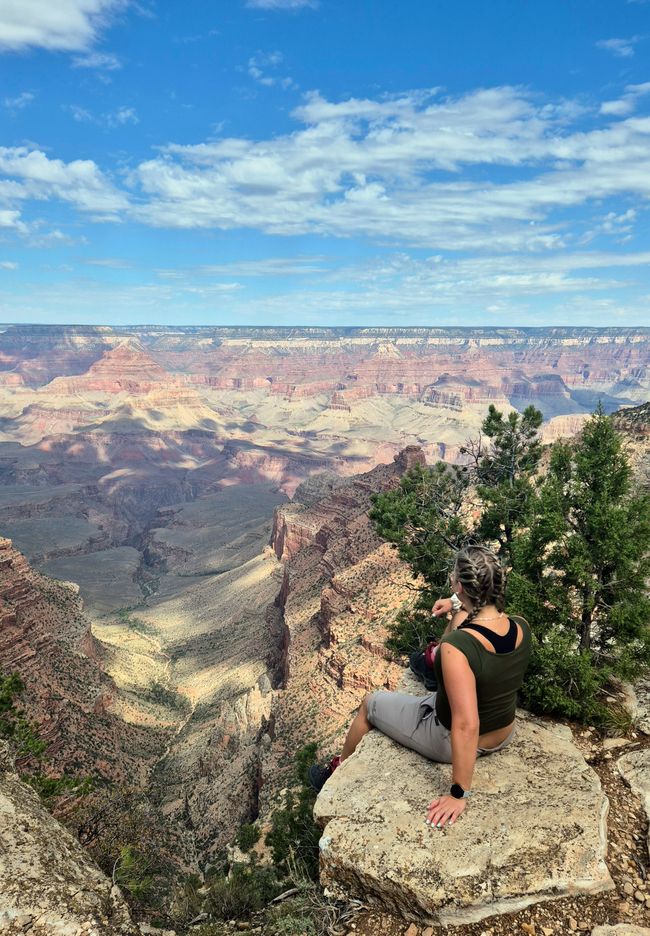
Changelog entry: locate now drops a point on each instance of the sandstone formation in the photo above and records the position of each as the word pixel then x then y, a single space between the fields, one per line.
pixel 635 770
pixel 342 586
pixel 634 423
pixel 45 637
pixel 535 830
pixel 145 417
pixel 49 886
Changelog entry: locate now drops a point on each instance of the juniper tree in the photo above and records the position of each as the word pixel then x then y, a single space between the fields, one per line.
pixel 503 472
pixel 437 510
pixel 427 520
pixel 581 571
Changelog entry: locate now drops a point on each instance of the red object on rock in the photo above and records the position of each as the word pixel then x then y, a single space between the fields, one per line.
pixel 430 653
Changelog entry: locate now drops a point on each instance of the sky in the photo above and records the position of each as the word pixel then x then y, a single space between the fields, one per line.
pixel 325 162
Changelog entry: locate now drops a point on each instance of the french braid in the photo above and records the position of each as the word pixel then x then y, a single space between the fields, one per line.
pixel 481 574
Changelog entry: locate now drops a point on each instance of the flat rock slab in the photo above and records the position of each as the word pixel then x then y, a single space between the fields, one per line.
pixel 635 769
pixel 534 830
pixel 621 929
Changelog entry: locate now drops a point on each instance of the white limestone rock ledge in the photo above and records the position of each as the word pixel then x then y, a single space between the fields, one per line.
pixel 48 883
pixel 635 770
pixel 621 929
pixel 535 829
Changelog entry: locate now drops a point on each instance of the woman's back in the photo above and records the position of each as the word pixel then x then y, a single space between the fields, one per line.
pixel 499 675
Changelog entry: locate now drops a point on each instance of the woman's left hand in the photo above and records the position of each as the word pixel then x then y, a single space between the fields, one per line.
pixel 445 809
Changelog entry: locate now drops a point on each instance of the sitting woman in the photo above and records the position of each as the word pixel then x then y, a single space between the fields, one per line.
pixel 479 668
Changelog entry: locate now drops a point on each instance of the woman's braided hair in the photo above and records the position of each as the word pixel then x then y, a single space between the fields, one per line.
pixel 483 579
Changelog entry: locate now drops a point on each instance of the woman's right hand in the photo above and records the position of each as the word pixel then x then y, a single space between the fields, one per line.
pixel 442 606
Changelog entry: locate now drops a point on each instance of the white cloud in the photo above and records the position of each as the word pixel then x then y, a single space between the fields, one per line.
pixel 80 114
pixel 33 175
pixel 103 61
pixel 18 102
pixel 67 25
pixel 111 263
pixel 627 103
pixel 402 168
pixel 281 4
pixel 118 118
pixel 623 48
pixel 387 290
pixel 53 238
pixel 8 265
pixel 272 266
pixel 122 116
pixel 412 169
pixel 259 66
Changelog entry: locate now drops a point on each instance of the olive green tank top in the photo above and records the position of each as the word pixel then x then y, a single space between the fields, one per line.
pixel 498 677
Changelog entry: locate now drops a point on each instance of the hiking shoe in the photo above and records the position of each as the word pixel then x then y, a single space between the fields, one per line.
pixel 421 665
pixel 319 774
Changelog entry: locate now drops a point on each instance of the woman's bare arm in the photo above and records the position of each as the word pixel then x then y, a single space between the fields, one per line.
pixel 461 692
pixel 460 686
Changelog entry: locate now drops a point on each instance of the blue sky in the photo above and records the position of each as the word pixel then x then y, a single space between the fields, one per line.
pixel 325 162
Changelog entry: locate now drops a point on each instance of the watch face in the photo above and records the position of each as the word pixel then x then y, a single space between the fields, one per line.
pixel 457 791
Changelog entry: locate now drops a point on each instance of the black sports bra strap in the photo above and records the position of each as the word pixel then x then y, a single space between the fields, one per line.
pixel 502 643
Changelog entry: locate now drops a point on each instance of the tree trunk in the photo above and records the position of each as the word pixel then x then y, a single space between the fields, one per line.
pixel 585 627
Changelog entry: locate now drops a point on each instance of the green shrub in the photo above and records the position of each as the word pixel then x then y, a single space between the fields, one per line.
pixel 291 917
pixel 247 837
pixel 14 727
pixel 162 695
pixel 563 680
pixel 413 627
pixel 134 873
pixel 248 889
pixel 294 835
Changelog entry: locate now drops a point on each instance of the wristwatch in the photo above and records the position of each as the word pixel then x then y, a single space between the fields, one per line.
pixel 458 792
pixel 456 603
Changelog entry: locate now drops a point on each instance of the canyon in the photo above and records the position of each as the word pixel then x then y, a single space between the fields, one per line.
pixel 189 583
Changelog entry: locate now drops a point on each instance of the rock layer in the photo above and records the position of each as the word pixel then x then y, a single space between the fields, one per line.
pixel 535 830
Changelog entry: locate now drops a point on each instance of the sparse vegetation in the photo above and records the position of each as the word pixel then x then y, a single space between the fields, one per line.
pixel 29 749
pixel 120 827
pixel 248 836
pixel 160 694
pixel 134 623
pixel 294 835
pixel 242 892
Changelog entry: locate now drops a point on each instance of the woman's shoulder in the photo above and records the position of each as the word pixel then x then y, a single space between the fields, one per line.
pixel 523 623
pixel 460 639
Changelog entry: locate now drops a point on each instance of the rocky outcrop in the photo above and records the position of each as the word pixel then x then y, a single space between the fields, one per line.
pixel 635 770
pixel 535 829
pixel 47 640
pixel 120 370
pixel 342 586
pixel 49 886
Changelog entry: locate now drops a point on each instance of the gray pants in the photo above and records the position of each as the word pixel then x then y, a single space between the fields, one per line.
pixel 412 721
